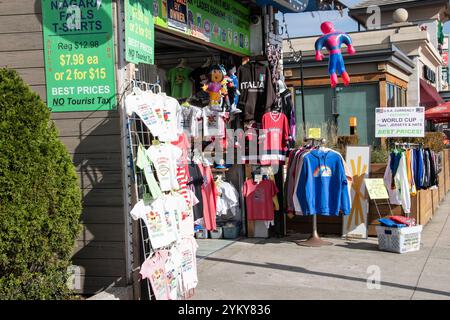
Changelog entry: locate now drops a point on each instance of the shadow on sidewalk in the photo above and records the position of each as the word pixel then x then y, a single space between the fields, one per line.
pixel 276 266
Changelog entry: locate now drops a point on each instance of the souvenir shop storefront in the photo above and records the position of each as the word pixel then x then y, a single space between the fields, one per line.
pixel 144 94
pixel 216 79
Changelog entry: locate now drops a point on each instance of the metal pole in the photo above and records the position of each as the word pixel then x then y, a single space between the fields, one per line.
pixel 303 95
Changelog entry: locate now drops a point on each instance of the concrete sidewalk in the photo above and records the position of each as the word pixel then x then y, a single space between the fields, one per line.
pixel 279 269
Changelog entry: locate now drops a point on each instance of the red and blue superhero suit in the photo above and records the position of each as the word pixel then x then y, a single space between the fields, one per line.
pixel 333 41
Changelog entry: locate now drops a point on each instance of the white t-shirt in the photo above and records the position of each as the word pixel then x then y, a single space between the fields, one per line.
pixel 190 120
pixel 227 199
pixel 172 112
pixel 213 123
pixel 176 204
pixel 148 107
pixel 173 274
pixel 164 157
pixel 158 223
pixel 188 251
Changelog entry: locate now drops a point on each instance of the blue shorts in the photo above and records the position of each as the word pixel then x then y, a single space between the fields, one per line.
pixel 336 64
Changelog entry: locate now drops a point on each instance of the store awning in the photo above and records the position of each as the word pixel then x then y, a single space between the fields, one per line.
pixel 439 114
pixel 429 97
pixel 284 6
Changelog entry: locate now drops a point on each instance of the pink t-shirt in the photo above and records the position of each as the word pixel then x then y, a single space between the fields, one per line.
pixel 154 269
pixel 209 195
pixel 258 198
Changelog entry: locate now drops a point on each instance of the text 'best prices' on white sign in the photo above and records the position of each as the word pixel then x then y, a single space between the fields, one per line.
pixel 400 122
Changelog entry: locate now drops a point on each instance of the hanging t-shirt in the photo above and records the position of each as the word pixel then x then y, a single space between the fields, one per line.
pixel 275 128
pixel 172 112
pixel 258 198
pixel 176 206
pixel 160 225
pixel 182 166
pixel 213 123
pixel 180 84
pixel 196 183
pixel 190 120
pixel 188 251
pixel 154 269
pixel 209 195
pixel 173 273
pixel 143 162
pixel 164 158
pixel 149 108
pixel 227 199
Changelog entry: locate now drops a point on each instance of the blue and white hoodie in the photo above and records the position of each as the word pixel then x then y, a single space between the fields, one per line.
pixel 323 186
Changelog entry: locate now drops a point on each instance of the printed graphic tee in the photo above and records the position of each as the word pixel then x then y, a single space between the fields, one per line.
pixel 180 84
pixel 149 108
pixel 164 158
pixel 172 110
pixel 190 120
pixel 258 198
pixel 173 273
pixel 213 123
pixel 188 251
pixel 161 224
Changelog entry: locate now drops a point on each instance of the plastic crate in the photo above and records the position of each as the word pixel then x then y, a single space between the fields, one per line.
pixel 231 232
pixel 216 234
pixel 201 234
pixel 399 240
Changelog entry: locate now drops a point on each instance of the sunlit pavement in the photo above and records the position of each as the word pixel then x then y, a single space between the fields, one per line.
pixel 280 269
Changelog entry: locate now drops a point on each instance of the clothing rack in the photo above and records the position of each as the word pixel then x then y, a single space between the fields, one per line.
pixel 314 240
pixel 408 145
pixel 139 134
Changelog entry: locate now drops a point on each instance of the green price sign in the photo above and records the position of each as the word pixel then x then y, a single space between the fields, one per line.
pixel 225 23
pixel 139 31
pixel 79 55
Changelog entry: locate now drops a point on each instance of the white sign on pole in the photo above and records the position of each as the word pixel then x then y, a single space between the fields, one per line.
pixel 358 160
pixel 400 122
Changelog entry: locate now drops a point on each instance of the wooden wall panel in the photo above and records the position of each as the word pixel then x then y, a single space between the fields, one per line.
pixel 15 7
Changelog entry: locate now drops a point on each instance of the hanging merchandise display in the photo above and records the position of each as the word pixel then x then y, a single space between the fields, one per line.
pixel 323 170
pixel 333 40
pixel 409 170
pixel 168 212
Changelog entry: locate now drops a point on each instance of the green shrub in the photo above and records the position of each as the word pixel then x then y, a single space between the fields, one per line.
pixel 432 140
pixel 40 199
pixel 379 155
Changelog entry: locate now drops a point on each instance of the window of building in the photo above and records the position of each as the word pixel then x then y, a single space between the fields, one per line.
pixel 395 95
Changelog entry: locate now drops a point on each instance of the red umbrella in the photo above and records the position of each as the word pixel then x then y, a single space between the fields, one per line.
pixel 439 114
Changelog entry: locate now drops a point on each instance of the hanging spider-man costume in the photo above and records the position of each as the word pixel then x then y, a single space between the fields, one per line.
pixel 333 40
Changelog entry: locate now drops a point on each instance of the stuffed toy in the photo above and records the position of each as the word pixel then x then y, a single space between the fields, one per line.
pixel 216 88
pixel 233 89
pixel 333 41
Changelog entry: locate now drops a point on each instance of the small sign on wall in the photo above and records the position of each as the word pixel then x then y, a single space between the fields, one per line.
pixel 358 161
